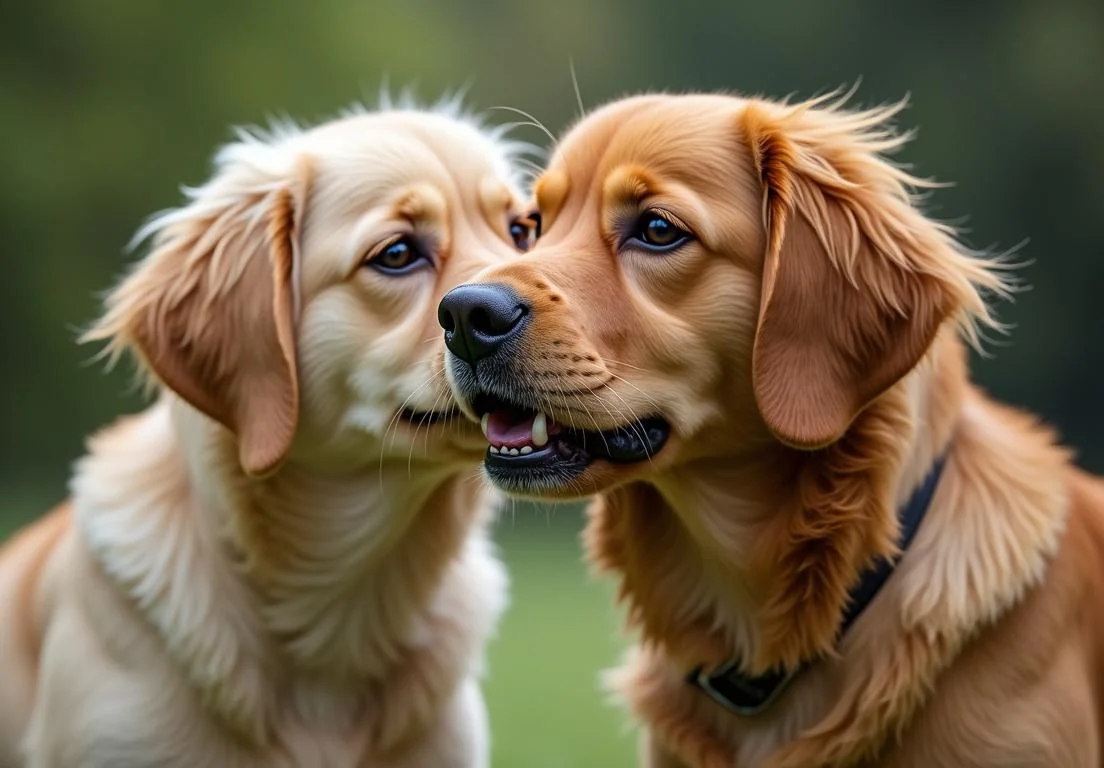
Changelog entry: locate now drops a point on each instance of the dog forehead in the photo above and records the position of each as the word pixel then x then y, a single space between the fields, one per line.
pixel 389 149
pixel 685 138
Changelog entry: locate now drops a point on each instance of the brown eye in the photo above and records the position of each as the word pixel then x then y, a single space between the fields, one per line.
pixel 521 232
pixel 398 258
pixel 526 231
pixel 658 233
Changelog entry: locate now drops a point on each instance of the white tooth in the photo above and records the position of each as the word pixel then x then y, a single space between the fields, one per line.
pixel 483 422
pixel 526 450
pixel 493 449
pixel 540 430
pixel 514 451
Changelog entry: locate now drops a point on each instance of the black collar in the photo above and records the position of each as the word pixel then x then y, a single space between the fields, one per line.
pixel 745 695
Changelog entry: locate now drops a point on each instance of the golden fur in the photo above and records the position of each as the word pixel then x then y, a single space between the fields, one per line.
pixel 273 566
pixel 806 345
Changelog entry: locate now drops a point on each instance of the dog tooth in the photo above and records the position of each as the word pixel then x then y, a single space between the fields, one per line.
pixel 514 451
pixel 526 450
pixel 483 422
pixel 493 449
pixel 540 430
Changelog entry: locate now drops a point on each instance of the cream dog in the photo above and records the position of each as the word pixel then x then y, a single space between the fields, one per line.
pixel 284 561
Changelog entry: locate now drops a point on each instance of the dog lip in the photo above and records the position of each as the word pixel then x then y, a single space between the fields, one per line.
pixel 538 457
pixel 546 469
pixel 427 418
pixel 625 443
pixel 629 443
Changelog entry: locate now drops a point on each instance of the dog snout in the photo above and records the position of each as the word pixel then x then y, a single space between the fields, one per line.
pixel 478 319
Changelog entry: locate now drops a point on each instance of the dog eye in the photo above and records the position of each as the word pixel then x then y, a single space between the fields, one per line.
pixel 526 231
pixel 657 232
pixel 399 257
pixel 520 232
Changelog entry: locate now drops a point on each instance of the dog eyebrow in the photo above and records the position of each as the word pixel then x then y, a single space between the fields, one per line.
pixel 550 192
pixel 496 202
pixel 415 205
pixel 424 205
pixel 629 185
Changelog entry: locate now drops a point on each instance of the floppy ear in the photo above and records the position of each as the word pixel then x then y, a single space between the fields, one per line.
pixel 211 310
pixel 854 278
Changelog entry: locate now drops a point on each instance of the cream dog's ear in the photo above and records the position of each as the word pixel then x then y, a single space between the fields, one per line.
pixel 856 281
pixel 211 310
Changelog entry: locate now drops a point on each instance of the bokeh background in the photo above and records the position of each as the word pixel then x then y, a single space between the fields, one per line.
pixel 106 108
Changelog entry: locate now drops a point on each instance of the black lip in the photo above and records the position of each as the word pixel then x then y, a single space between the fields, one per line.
pixel 555 465
pixel 627 444
pixel 570 451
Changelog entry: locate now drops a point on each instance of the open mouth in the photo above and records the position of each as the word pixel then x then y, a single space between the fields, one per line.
pixel 528 449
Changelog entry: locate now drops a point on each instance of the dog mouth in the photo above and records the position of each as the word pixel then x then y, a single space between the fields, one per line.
pixel 417 418
pixel 529 450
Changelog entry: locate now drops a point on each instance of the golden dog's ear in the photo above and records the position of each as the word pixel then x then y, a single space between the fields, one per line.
pixel 211 311
pixel 856 281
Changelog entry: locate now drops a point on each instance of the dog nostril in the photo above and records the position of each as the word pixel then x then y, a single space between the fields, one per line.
pixel 448 322
pixel 494 323
pixel 480 320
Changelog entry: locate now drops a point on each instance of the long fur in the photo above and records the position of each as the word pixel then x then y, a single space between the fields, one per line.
pixel 808 344
pixel 272 565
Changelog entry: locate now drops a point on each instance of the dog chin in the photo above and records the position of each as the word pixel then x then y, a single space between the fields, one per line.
pixel 555 485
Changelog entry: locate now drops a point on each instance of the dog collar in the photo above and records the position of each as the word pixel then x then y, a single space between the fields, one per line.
pixel 746 695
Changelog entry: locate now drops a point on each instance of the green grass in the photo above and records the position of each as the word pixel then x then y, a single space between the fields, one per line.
pixel 546 707
pixel 560 631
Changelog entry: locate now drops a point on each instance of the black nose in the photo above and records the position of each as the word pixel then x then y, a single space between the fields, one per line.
pixel 479 318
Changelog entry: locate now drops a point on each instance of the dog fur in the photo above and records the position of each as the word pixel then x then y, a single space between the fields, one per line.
pixel 271 566
pixel 808 345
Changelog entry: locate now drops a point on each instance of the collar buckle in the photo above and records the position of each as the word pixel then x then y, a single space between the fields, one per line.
pixel 737 692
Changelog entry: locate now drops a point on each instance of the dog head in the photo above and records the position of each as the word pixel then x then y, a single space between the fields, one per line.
pixel 293 299
pixel 714 274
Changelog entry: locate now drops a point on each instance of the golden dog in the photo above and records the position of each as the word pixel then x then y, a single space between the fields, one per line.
pixel 740 331
pixel 284 561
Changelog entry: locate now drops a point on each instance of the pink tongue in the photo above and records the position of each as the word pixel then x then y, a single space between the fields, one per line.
pixel 501 430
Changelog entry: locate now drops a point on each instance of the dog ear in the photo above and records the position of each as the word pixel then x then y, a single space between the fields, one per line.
pixel 211 311
pixel 856 282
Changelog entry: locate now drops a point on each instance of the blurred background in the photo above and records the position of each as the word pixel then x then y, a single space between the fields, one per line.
pixel 106 108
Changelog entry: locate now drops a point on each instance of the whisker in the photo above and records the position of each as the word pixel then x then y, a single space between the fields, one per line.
pixel 635 420
pixel 401 408
pixel 578 94
pixel 646 396
pixel 610 361
pixel 534 121
pixel 591 417
pixel 384 446
pixel 570 420
pixel 414 442
pixel 529 165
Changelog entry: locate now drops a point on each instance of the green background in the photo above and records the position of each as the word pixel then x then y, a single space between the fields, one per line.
pixel 105 108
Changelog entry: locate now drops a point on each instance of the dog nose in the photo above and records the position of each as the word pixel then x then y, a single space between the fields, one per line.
pixel 479 318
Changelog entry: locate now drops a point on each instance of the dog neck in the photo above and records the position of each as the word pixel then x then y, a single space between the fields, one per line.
pixel 333 575
pixel 753 558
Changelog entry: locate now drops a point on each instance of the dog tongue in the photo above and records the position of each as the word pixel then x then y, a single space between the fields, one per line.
pixel 504 430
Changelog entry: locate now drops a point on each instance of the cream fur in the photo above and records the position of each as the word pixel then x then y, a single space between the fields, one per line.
pixel 238 594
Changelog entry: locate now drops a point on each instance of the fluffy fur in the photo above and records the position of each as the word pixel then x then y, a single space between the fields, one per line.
pixel 284 561
pixel 808 345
